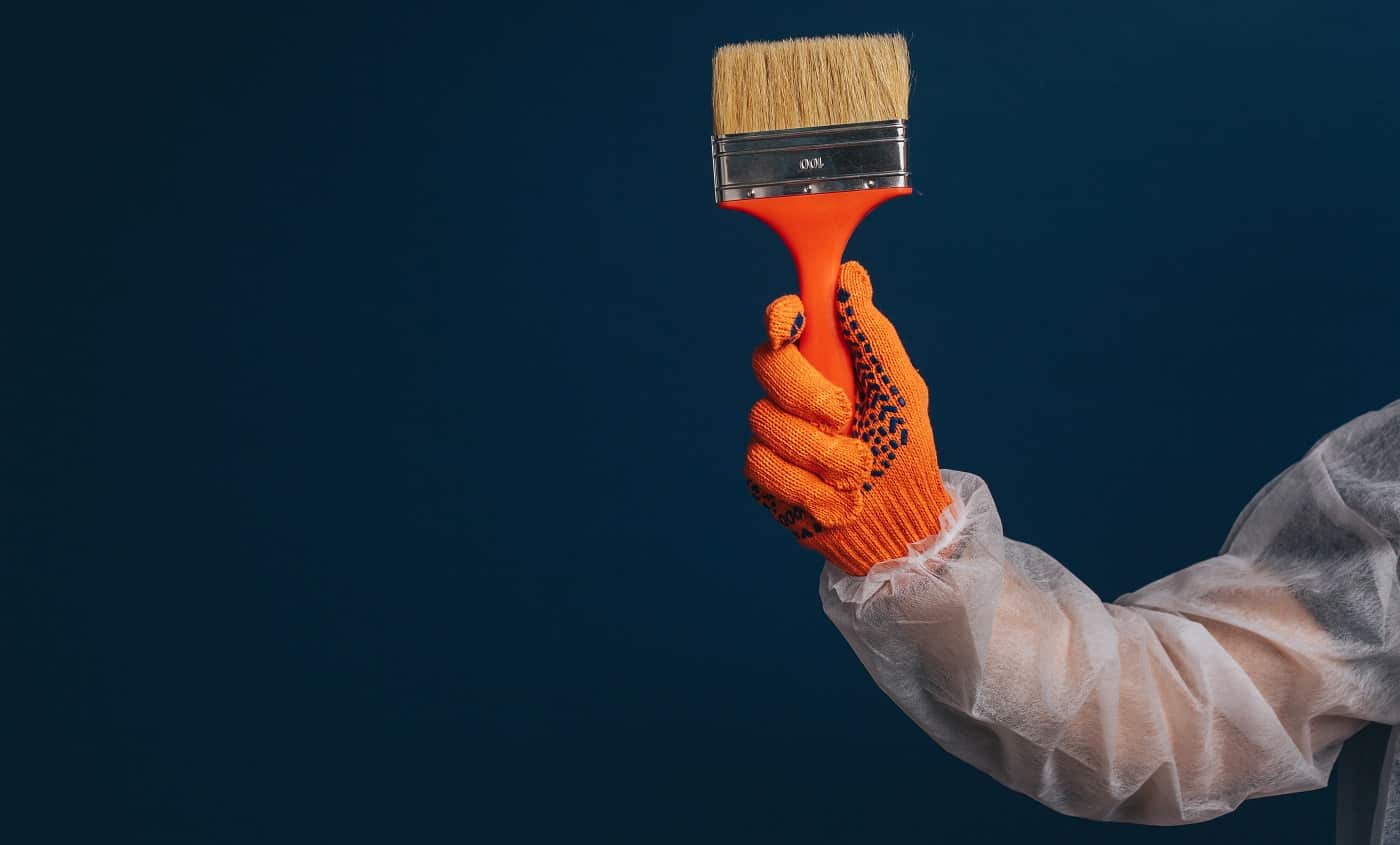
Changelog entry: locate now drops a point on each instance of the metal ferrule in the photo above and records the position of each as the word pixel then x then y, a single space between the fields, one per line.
pixel 821 159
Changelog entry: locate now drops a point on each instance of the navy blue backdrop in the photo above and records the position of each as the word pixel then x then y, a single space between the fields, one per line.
pixel 377 409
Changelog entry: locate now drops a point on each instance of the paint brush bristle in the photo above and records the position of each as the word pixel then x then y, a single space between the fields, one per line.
pixel 801 82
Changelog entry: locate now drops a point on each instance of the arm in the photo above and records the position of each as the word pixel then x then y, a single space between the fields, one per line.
pixel 1237 677
pixel 1172 705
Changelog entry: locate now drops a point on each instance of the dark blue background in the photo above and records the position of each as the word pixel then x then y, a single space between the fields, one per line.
pixel 379 392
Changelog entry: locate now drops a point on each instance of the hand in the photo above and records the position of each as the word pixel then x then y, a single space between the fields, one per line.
pixel 860 498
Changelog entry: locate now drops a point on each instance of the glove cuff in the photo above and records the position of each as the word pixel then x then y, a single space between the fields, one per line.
pixel 885 532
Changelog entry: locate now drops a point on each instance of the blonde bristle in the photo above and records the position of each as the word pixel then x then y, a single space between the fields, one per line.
pixel 800 82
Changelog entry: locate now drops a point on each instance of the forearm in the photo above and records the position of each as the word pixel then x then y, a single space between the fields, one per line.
pixel 1124 711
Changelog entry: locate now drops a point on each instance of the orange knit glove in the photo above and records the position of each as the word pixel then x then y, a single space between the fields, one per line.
pixel 857 499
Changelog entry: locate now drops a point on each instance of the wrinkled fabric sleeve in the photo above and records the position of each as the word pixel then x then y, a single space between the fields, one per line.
pixel 1237 677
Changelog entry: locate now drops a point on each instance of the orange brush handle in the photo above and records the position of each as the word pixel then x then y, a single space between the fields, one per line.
pixel 815 228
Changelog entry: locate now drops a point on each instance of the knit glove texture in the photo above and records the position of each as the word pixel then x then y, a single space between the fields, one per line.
pixel 857 498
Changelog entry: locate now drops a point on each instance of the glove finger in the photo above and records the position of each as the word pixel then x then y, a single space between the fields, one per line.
pixel 842 462
pixel 829 506
pixel 797 387
pixel 785 319
pixel 791 516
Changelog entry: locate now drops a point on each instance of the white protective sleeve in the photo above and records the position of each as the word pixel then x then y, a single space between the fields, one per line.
pixel 1236 677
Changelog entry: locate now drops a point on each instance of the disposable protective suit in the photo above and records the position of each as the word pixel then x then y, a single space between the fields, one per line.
pixel 1239 676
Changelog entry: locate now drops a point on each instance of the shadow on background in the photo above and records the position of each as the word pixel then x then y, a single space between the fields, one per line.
pixel 376 443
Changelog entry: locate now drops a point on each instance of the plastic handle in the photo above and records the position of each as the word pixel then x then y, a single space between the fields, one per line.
pixel 816 228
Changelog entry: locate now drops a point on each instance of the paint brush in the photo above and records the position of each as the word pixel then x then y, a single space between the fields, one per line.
pixel 809 136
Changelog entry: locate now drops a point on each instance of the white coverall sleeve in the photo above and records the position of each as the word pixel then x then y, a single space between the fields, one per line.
pixel 1237 677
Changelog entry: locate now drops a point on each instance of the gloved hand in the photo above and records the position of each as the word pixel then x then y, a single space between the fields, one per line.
pixel 860 498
